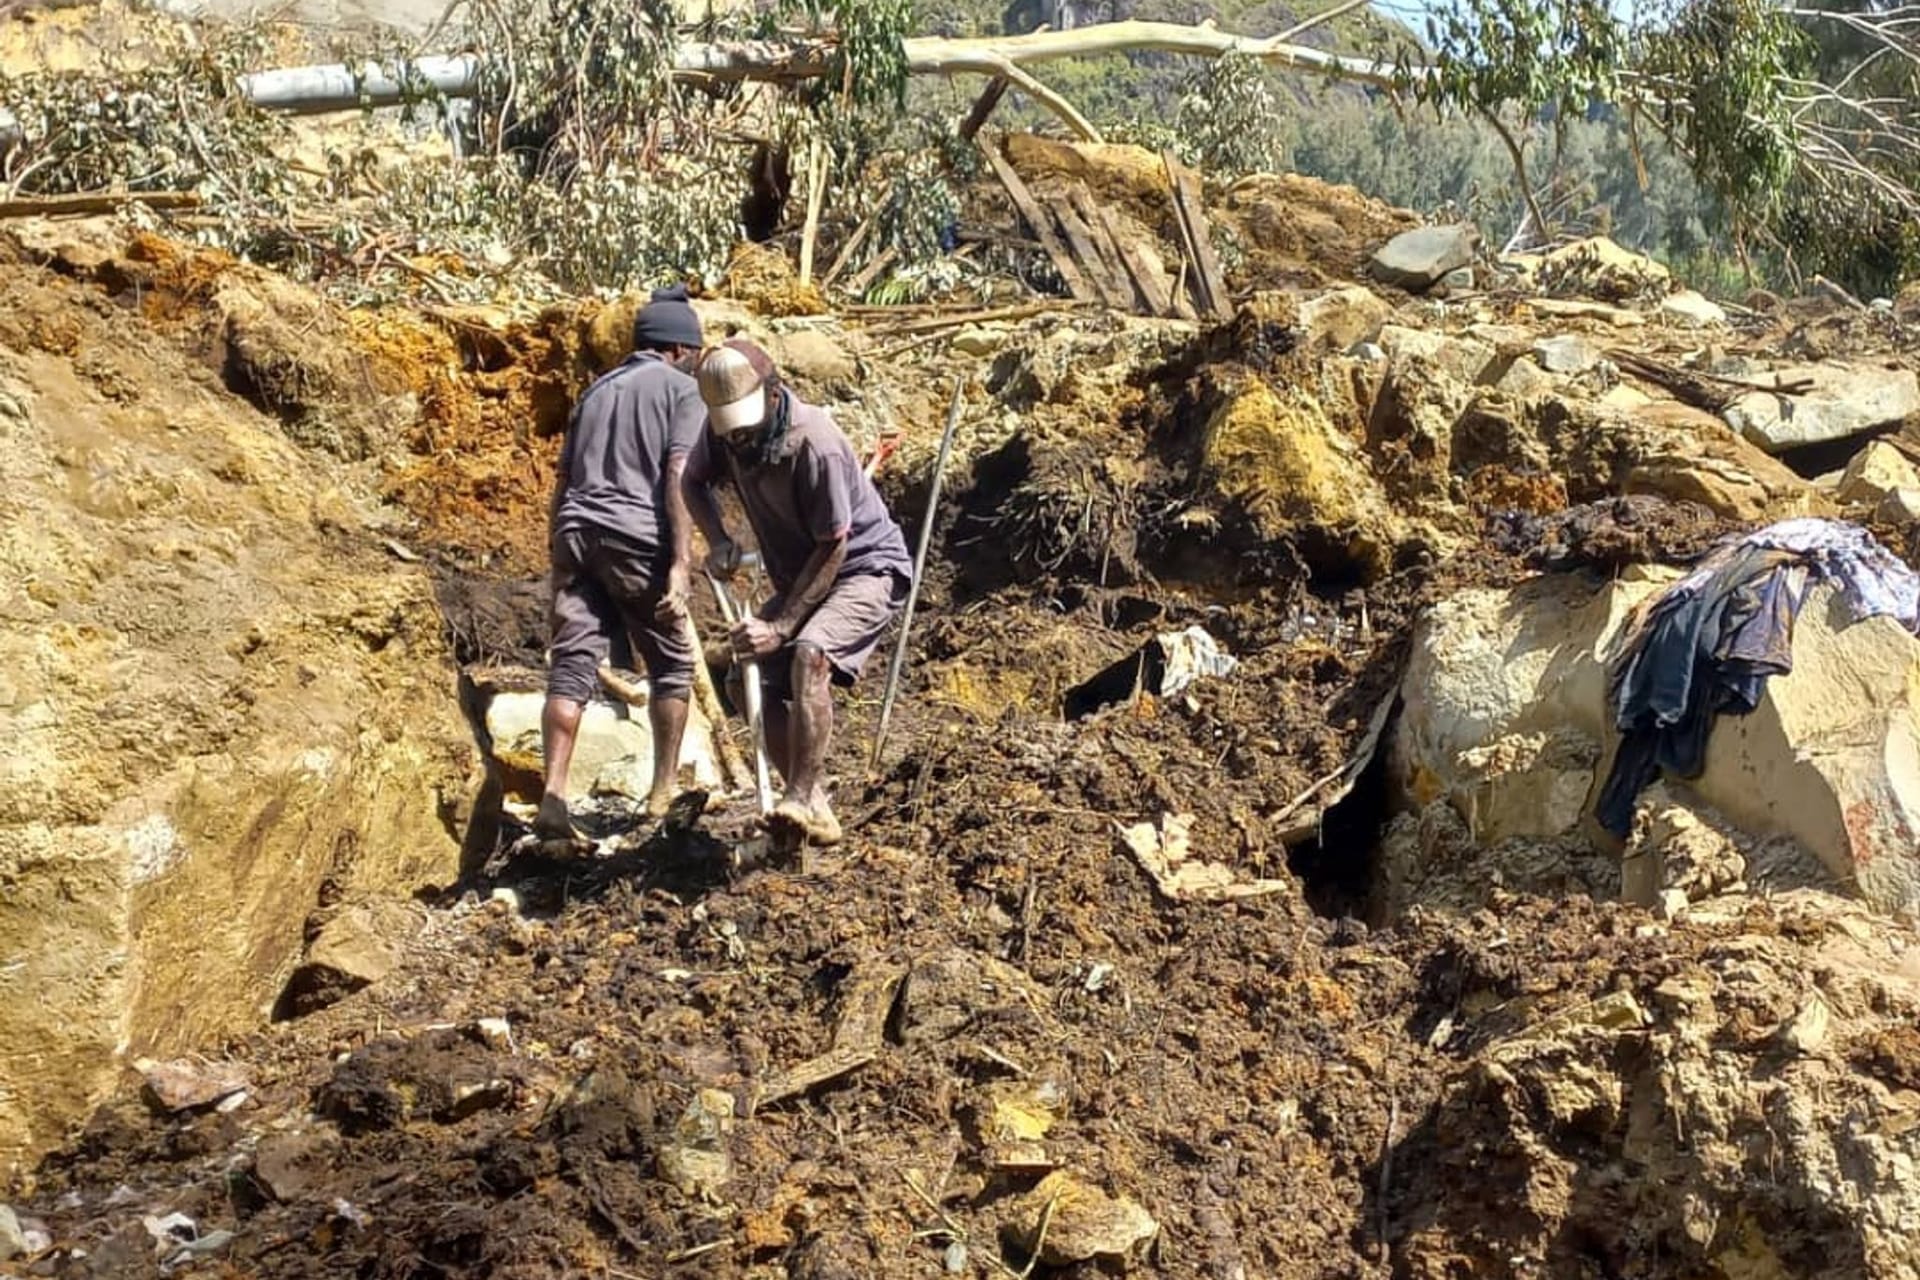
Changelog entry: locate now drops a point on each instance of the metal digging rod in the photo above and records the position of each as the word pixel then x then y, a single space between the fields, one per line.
pixel 899 661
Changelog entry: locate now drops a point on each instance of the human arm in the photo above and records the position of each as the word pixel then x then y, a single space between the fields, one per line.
pixel 823 493
pixel 696 500
pixel 783 616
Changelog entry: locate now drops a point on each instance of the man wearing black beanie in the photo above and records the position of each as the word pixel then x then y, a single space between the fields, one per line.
pixel 621 546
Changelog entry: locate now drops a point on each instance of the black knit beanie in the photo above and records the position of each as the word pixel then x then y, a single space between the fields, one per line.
pixel 667 320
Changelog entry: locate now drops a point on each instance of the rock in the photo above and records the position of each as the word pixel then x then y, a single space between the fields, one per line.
pixel 1677 452
pixel 1806 1032
pixel 355 949
pixel 1419 259
pixel 13 1241
pixel 613 754
pixel 496 1034
pixel 1526 382
pixel 1574 309
pixel 188 1084
pixel 1298 473
pixel 1597 267
pixel 1693 309
pixel 1468 359
pixel 1084 1224
pixel 197 736
pixel 696 1160
pixel 1901 507
pixel 1371 352
pixel 1568 353
pixel 1844 400
pixel 980 341
pixel 1459 280
pixel 1340 319
pixel 1875 472
pixel 1672 904
pixel 1489 665
pixel 811 359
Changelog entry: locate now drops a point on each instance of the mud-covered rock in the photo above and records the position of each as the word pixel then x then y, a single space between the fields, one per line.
pixel 1277 453
pixel 1831 758
pixel 1065 1220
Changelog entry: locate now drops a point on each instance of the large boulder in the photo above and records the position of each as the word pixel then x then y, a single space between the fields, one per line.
pixel 1842 401
pixel 1299 475
pixel 1504 688
pixel 1419 259
pixel 218 690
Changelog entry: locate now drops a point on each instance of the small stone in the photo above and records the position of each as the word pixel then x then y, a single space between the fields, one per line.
pixel 1568 353
pixel 980 341
pixel 187 1084
pixel 505 899
pixel 1693 309
pixel 1882 305
pixel 696 1162
pixel 1459 280
pixel 1371 352
pixel 496 1033
pixel 1672 903
pixel 13 1241
pixel 1067 1220
pixel 955 1258
pixel 1807 1030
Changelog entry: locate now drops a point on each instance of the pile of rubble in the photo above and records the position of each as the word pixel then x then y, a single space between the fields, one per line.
pixel 1231 898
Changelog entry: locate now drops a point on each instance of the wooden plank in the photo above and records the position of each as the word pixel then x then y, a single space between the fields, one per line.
pixel 1094 219
pixel 1188 204
pixel 1081 238
pixel 1146 281
pixel 1038 223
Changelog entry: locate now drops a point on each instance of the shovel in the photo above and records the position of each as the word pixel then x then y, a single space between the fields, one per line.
pixel 730 614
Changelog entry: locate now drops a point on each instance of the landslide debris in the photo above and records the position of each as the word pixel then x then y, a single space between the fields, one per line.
pixel 980 1037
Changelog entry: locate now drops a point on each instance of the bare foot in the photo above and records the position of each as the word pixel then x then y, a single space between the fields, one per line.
pixel 659 802
pixel 815 822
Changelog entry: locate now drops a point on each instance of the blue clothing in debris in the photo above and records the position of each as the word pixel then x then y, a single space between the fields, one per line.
pixel 1706 646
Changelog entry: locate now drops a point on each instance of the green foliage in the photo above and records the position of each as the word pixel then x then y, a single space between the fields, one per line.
pixel 1718 72
pixel 178 126
pixel 1228 117
pixel 1522 53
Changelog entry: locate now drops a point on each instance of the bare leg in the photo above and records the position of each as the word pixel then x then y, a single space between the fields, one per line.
pixel 669 719
pixel 559 727
pixel 809 734
pixel 778 714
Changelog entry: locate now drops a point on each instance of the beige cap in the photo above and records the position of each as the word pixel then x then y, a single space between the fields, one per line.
pixel 733 379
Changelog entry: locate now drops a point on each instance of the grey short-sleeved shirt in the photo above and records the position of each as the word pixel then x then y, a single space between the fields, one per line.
pixel 813 492
pixel 613 468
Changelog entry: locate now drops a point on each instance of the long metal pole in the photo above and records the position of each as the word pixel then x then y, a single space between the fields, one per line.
pixel 919 573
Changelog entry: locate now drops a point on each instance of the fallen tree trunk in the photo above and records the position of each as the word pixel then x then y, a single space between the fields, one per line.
pixel 338 87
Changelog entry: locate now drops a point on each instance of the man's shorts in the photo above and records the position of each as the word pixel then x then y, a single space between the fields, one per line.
pixel 603 584
pixel 847 627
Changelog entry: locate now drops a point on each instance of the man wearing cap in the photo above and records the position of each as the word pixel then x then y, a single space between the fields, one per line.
pixel 838 562
pixel 622 545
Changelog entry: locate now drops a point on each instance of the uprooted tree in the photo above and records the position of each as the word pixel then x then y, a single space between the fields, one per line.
pixel 610 121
